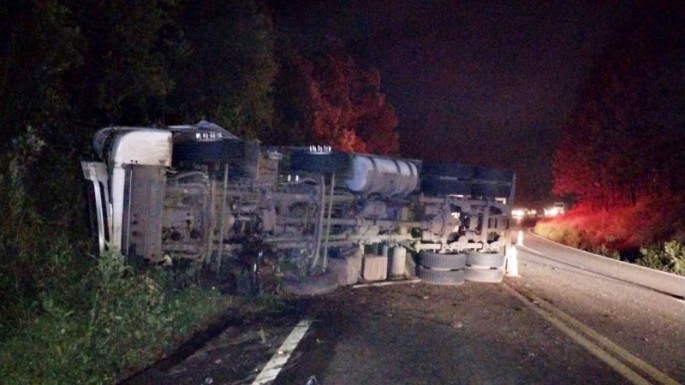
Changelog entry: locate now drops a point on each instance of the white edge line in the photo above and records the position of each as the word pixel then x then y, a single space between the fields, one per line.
pixel 278 360
pixel 612 261
pixel 676 294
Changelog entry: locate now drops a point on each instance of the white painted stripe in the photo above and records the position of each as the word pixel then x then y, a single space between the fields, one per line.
pixel 278 360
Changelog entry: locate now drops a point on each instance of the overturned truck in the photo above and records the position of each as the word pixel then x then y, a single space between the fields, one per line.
pixel 317 217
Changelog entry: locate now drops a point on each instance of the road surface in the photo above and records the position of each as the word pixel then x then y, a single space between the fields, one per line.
pixel 558 323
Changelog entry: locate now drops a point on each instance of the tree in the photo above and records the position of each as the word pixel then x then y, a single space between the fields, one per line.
pixel 338 103
pixel 625 139
pixel 124 76
pixel 39 48
pixel 227 68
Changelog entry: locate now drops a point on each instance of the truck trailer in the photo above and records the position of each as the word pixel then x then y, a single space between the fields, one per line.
pixel 199 195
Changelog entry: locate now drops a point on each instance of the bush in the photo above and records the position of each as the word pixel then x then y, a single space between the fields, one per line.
pixel 667 256
pixel 66 318
pixel 621 229
pixel 127 320
pixel 37 254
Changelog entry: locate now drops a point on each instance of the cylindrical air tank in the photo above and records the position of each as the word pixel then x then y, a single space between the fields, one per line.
pixel 385 176
pixel 397 263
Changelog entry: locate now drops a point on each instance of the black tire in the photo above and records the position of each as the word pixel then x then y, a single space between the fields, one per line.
pixel 445 179
pixel 440 277
pixel 496 183
pixel 436 185
pixel 493 174
pixel 433 260
pixel 484 275
pixel 447 170
pixel 310 285
pixel 490 190
pixel 328 162
pixel 212 151
pixel 485 259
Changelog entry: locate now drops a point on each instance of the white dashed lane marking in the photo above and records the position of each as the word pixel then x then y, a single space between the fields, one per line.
pixel 279 359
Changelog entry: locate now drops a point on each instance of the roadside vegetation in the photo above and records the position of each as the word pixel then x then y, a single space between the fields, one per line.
pixel 651 233
pixel 114 321
pixel 622 149
pixel 68 68
pixel 71 318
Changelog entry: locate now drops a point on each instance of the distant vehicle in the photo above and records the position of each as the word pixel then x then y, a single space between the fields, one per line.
pixel 521 213
pixel 557 208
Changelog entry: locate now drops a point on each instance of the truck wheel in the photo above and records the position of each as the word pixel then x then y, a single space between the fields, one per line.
pixel 310 285
pixel 441 186
pixel 442 178
pixel 440 277
pixel 484 267
pixel 490 190
pixel 209 151
pixel 433 260
pixel 328 162
pixel 497 183
pixel 447 170
pixel 486 260
pixel 484 275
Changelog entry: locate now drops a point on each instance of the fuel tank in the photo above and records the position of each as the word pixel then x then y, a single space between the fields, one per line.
pixel 384 176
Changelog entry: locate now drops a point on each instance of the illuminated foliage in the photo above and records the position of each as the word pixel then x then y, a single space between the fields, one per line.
pixel 626 139
pixel 334 101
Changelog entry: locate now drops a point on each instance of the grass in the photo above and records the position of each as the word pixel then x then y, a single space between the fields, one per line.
pixel 70 319
pixel 123 322
pixel 652 232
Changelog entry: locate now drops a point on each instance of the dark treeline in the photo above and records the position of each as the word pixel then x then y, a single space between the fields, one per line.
pixel 68 68
pixel 625 142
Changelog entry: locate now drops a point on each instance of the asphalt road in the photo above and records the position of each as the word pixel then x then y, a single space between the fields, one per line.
pixel 656 280
pixel 558 323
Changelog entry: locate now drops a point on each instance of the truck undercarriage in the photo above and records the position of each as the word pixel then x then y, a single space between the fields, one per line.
pixel 199 194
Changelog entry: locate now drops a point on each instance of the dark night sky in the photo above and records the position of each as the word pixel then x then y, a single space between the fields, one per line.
pixel 477 82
